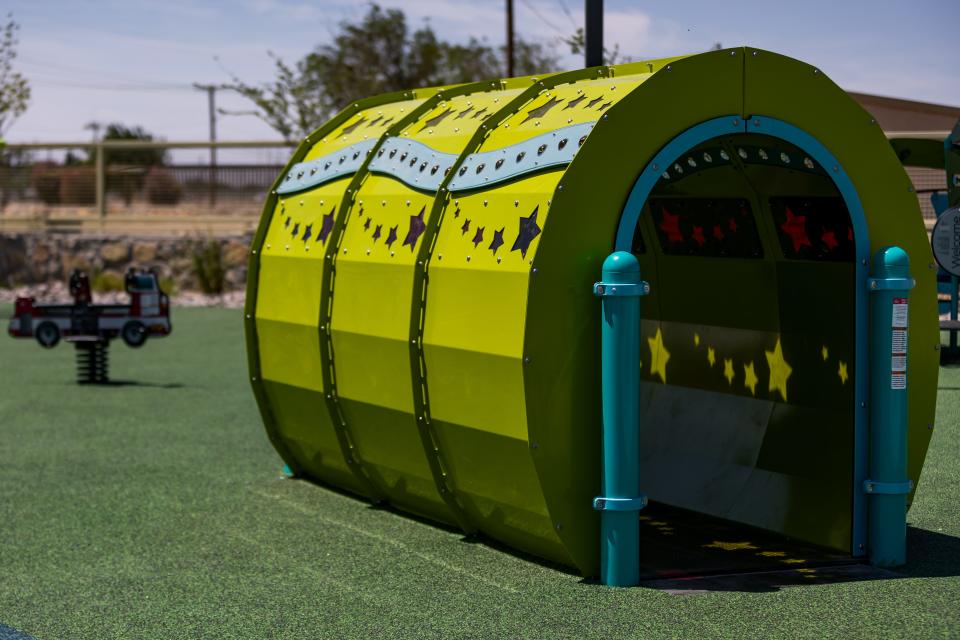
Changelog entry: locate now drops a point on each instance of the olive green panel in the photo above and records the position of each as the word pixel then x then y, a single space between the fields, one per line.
pixel 800 94
pixel 373 299
pixel 562 331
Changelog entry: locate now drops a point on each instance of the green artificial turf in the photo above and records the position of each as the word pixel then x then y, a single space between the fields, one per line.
pixel 157 510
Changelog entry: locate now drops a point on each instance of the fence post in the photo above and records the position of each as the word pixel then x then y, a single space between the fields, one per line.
pixel 620 499
pixel 888 486
pixel 101 181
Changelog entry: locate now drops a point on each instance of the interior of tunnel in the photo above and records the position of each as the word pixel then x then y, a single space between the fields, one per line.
pixel 748 345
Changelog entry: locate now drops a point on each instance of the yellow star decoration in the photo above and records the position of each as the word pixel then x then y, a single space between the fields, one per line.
pixel 773 554
pixel 793 561
pixel 750 378
pixel 711 356
pixel 779 370
pixel 728 370
pixel 658 356
pixel 842 372
pixel 696 339
pixel 825 352
pixel 729 546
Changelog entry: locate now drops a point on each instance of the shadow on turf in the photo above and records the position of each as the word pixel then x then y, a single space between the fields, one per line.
pixel 930 554
pixel 130 383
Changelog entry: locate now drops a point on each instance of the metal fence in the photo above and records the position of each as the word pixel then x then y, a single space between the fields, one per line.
pixel 125 185
pixel 114 184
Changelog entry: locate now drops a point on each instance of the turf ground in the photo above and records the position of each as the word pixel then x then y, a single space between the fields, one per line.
pixel 157 510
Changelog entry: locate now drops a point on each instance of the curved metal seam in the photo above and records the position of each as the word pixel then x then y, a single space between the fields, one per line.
pixel 442 477
pixel 550 149
pixel 306 175
pixel 345 439
pixel 253 276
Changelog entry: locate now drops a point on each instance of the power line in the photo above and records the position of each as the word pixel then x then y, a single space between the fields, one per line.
pixel 535 12
pixel 109 87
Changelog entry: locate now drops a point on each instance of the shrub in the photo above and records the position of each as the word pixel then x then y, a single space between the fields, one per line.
pixel 107 281
pixel 45 180
pixel 78 185
pixel 162 187
pixel 208 267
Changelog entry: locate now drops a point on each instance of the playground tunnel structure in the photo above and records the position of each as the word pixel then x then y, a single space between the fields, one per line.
pixel 422 330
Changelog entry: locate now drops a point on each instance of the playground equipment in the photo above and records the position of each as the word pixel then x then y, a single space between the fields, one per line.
pixel 933 151
pixel 90 327
pixel 433 269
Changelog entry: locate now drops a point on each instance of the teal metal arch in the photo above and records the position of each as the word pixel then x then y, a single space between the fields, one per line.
pixel 732 124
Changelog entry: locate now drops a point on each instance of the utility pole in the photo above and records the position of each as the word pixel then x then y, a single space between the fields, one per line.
pixel 509 38
pixel 594 32
pixel 211 105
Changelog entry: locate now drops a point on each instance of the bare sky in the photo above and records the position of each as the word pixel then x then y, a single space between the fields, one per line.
pixel 134 61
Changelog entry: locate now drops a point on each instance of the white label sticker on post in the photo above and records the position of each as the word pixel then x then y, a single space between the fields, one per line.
pixel 898 363
pixel 899 341
pixel 898 381
pixel 900 311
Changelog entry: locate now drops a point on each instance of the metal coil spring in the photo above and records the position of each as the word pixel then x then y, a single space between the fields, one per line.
pixel 93 362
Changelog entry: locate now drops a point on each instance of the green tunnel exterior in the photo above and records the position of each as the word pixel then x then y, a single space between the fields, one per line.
pixel 423 331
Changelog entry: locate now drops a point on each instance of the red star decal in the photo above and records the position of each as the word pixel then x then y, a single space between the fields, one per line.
pixel 795 227
pixel 732 224
pixel 829 239
pixel 718 232
pixel 850 234
pixel 670 224
pixel 698 236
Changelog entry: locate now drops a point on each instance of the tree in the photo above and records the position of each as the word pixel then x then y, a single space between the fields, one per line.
pixel 143 156
pixel 578 46
pixel 14 88
pixel 378 54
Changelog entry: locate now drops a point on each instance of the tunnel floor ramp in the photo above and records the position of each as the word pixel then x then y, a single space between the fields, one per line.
pixel 676 543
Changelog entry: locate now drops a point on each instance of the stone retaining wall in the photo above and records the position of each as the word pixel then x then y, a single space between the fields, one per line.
pixel 31 259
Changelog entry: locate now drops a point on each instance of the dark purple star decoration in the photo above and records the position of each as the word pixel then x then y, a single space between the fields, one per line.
pixel 497 241
pixel 286 223
pixel 417 226
pixel 296 230
pixel 463 113
pixel 465 227
pixel 308 232
pixel 376 232
pixel 366 225
pixel 529 229
pixel 352 127
pixel 392 236
pixel 542 110
pixel 326 227
pixel 478 237
pixel 575 102
pixel 456 212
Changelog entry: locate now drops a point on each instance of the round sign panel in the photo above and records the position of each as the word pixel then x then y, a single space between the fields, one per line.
pixel 946 241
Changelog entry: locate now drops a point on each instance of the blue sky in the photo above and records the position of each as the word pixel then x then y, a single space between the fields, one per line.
pixel 134 60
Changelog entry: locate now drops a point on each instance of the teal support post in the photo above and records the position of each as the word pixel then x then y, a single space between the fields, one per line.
pixel 888 486
pixel 620 498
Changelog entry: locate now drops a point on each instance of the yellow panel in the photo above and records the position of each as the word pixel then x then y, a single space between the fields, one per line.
pixel 374 297
pixel 449 125
pixel 288 304
pixel 367 124
pixel 562 106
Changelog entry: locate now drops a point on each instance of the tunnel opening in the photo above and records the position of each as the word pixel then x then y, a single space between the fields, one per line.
pixel 748 351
